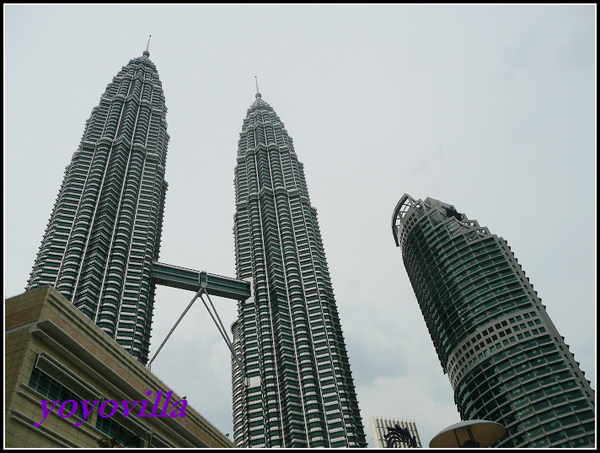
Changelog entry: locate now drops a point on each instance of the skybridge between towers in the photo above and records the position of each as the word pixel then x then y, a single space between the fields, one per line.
pixel 191 280
pixel 202 283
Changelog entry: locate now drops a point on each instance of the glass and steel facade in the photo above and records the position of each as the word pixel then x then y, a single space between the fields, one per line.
pixel 104 231
pixel 506 361
pixel 298 389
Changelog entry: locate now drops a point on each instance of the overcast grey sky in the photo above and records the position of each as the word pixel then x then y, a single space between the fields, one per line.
pixel 490 108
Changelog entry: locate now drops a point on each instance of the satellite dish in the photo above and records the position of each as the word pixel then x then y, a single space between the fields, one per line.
pixel 469 434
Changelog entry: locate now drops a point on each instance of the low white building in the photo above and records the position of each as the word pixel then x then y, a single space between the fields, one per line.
pixel 400 433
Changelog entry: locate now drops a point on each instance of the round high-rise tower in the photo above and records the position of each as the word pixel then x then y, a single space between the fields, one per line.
pixel 506 361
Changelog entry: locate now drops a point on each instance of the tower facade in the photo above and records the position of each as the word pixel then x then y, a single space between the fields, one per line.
pixel 298 389
pixel 105 227
pixel 506 361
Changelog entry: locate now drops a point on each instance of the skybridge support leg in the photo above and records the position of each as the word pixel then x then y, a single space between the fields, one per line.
pixel 216 319
pixel 198 294
pixel 223 332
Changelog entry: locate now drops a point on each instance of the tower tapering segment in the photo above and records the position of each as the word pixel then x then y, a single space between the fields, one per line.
pixel 299 390
pixel 506 361
pixel 104 231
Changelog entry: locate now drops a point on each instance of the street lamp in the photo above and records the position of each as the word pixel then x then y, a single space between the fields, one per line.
pixel 469 434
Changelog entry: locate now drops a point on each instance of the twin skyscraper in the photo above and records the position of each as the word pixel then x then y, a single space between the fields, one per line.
pixel 100 250
pixel 101 246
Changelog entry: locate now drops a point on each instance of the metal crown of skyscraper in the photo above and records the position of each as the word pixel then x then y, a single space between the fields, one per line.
pixel 506 361
pixel 299 391
pixel 105 228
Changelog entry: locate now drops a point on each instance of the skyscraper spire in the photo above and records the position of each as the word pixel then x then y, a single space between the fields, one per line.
pixel 258 95
pixel 146 52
